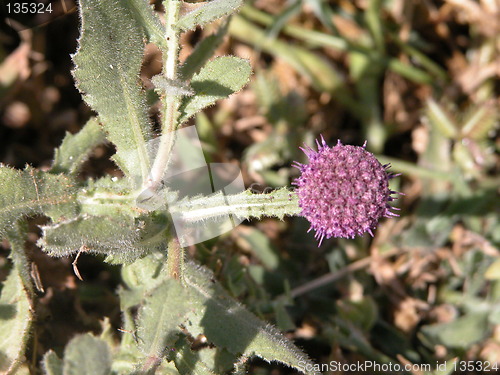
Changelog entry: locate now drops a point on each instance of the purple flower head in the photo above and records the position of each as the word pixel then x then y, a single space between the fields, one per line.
pixel 343 191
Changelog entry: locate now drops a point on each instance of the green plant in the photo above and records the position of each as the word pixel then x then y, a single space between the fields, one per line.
pixel 166 302
pixel 424 290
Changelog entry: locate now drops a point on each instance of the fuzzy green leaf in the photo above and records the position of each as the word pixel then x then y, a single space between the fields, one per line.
pixel 207 361
pixel 160 317
pixel 17 236
pixel 87 355
pixel 117 235
pixel 204 307
pixel 75 148
pixel 108 196
pixel 15 320
pixel 123 238
pixel 30 192
pixel 208 12
pixel 228 325
pixel 145 274
pixel 218 79
pixel 108 62
pixel 203 51
pixel 145 16
pixel 52 364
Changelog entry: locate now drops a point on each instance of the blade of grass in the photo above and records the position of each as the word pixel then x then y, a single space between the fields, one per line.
pixel 322 75
pixel 408 168
pixel 319 39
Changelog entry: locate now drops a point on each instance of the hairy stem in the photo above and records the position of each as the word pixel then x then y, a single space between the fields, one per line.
pixel 244 205
pixel 175 259
pixel 170 102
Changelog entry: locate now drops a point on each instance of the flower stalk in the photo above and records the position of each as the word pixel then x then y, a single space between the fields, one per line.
pixel 343 192
pixel 245 205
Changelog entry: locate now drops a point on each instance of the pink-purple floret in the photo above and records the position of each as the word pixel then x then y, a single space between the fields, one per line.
pixel 343 191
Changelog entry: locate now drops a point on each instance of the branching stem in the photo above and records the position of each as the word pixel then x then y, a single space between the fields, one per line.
pixel 170 112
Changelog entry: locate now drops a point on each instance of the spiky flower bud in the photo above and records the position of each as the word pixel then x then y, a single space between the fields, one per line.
pixel 343 191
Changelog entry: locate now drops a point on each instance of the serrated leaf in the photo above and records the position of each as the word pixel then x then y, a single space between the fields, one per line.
pixel 122 238
pixel 15 321
pixel 108 62
pixel 30 192
pixel 228 325
pixel 116 235
pixel 76 148
pixel 202 52
pixel 218 79
pixel 166 368
pixel 160 317
pixel 207 12
pixel 52 364
pixel 87 355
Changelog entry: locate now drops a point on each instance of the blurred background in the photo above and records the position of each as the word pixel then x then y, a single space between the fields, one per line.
pixel 419 80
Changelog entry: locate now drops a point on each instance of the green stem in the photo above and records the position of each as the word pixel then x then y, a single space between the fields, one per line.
pixel 170 102
pixel 244 205
pixel 175 259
